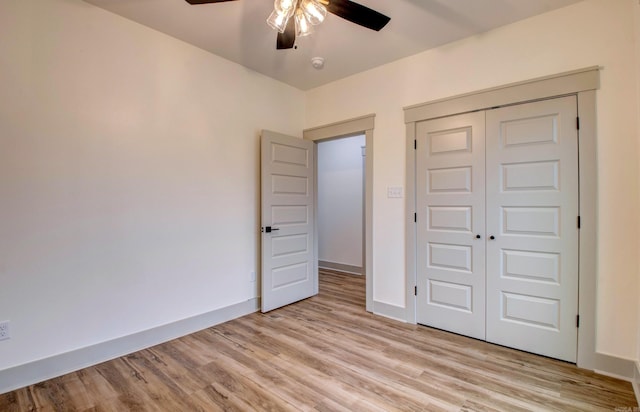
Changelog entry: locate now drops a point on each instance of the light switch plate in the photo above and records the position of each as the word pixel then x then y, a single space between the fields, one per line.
pixel 5 333
pixel 394 192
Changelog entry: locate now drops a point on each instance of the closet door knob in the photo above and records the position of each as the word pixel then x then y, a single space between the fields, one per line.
pixel 492 237
pixel 477 236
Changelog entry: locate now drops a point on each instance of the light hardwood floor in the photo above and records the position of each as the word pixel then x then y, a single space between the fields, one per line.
pixel 327 354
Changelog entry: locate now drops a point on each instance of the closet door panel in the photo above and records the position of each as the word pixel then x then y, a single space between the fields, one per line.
pixel 532 209
pixel 450 214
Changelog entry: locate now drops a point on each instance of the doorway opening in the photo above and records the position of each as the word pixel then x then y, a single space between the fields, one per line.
pixel 340 197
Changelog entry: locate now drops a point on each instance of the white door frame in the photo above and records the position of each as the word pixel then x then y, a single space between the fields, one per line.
pixel 352 127
pixel 581 83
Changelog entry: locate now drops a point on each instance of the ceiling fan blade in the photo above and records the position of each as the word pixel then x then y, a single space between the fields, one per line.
pixel 287 39
pixel 206 1
pixel 358 14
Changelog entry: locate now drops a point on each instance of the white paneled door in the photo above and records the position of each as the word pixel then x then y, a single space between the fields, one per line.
pixel 451 248
pixel 532 211
pixel 497 210
pixel 288 254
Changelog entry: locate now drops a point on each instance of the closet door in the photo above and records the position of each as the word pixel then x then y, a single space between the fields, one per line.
pixel 450 216
pixel 532 210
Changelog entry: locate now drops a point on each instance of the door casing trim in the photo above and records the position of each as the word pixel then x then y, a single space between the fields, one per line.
pixel 346 128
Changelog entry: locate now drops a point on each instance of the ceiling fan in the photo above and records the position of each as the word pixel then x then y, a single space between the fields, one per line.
pixel 294 18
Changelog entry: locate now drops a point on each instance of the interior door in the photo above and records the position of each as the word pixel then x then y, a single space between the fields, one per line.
pixel 532 210
pixel 288 255
pixel 450 219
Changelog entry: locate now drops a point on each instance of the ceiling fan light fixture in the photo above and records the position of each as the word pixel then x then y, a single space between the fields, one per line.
pixel 303 27
pixel 307 13
pixel 278 20
pixel 314 11
pixel 284 6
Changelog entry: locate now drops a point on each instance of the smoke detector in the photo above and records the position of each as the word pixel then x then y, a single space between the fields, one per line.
pixel 317 63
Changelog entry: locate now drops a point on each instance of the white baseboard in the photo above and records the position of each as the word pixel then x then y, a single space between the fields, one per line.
pixel 614 366
pixel 341 267
pixel 40 370
pixel 389 311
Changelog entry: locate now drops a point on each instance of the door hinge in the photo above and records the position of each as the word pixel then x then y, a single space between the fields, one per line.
pixel 415 291
pixel 579 223
pixel 578 123
pixel 577 321
pixel 415 217
pixel 415 145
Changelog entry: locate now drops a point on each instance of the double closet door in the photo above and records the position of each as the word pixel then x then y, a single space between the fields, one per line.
pixel 497 235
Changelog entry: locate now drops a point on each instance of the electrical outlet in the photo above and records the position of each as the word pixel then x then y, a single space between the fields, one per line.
pixel 5 333
pixel 252 276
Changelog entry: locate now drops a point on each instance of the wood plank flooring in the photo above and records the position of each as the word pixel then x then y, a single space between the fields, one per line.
pixel 325 354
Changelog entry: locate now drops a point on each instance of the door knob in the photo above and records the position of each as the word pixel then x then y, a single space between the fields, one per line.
pixel 269 229
pixel 477 236
pixel 492 237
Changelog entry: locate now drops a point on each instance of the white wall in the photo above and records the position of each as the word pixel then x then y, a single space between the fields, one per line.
pixel 128 177
pixel 340 187
pixel 589 33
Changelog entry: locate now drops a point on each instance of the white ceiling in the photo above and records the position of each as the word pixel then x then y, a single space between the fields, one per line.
pixel 236 30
